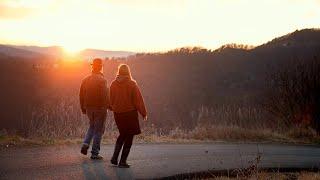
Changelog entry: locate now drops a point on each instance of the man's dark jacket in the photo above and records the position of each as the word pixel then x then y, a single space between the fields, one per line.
pixel 94 93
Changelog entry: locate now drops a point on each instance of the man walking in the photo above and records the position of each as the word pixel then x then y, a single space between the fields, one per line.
pixel 94 102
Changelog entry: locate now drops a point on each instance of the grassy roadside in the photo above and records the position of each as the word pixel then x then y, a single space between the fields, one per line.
pixel 285 176
pixel 282 176
pixel 261 175
pixel 216 135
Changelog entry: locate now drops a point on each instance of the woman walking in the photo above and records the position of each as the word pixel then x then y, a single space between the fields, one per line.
pixel 126 102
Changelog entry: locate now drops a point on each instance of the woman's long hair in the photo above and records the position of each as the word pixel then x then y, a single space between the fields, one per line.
pixel 124 70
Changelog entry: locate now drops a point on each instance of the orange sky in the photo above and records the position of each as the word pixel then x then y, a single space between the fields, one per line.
pixel 151 25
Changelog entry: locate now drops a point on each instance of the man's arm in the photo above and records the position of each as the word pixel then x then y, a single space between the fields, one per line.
pixel 81 97
pixel 107 92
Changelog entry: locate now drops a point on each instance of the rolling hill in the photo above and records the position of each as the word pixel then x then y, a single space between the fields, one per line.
pixel 19 53
pixel 180 87
pixel 57 52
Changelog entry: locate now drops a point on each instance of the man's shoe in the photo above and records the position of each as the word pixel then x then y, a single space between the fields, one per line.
pixel 84 149
pixel 96 157
pixel 123 165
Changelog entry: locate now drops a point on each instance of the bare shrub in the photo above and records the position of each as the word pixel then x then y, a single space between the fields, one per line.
pixel 298 132
pixel 294 96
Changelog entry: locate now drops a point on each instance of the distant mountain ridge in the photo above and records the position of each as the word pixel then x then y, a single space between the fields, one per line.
pixel 298 38
pixel 57 52
pixel 283 44
pixel 51 50
pixel 91 53
pixel 10 51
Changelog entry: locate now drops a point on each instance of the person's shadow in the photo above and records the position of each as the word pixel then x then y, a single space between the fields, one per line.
pixel 123 173
pixel 94 169
pixel 98 169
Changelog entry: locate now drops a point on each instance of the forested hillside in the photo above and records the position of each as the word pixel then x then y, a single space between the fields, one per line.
pixel 183 88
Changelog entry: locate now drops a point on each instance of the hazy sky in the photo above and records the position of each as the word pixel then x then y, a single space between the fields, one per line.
pixel 152 25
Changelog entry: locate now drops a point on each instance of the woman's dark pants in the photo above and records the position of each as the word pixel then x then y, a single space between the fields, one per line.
pixel 128 125
pixel 125 141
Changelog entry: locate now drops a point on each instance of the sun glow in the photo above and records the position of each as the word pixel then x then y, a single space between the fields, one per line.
pixel 72 50
pixel 151 25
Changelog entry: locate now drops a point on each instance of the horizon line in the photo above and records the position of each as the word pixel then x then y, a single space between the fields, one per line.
pixel 161 51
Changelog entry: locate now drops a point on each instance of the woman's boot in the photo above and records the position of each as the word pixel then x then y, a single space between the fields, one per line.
pixel 124 156
pixel 117 149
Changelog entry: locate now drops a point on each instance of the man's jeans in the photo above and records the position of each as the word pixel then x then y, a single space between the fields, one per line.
pixel 97 119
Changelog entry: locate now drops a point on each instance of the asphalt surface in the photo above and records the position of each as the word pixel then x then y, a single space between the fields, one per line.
pixel 150 160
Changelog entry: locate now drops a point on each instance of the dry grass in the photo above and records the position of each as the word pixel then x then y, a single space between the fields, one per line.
pixel 302 133
pixel 275 176
pixel 309 176
pixel 151 135
pixel 64 123
pixel 61 121
pixel 11 141
pixel 231 133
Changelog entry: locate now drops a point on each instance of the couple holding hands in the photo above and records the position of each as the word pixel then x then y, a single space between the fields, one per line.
pixel 123 98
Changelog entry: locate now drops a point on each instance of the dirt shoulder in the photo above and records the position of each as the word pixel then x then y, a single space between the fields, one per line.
pixel 18 141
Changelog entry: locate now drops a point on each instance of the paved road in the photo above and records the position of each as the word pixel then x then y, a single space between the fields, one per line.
pixel 149 160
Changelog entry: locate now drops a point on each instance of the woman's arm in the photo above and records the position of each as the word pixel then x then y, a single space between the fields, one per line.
pixel 138 101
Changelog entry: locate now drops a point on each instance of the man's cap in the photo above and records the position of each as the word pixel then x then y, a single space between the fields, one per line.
pixel 97 62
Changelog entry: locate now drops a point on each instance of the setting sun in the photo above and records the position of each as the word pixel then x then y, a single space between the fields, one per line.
pixel 72 50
